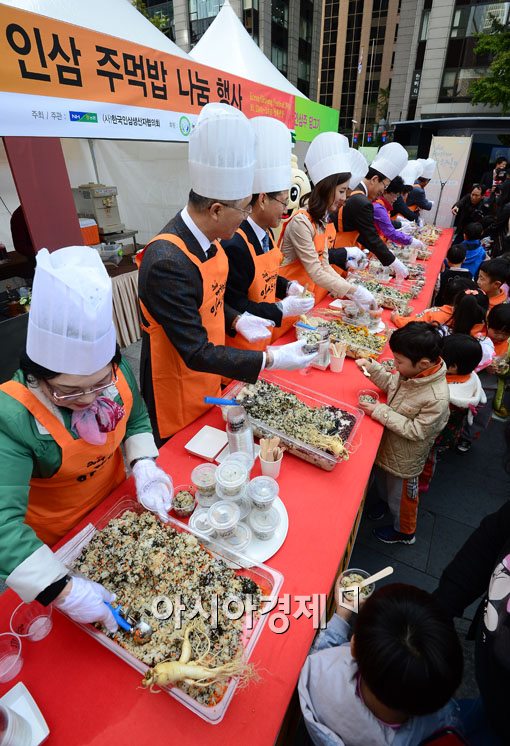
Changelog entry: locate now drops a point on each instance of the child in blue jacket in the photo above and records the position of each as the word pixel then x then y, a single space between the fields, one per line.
pixel 475 253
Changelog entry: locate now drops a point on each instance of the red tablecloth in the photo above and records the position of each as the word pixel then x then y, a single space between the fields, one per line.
pixel 90 697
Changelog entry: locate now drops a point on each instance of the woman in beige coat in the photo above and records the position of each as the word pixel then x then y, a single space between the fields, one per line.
pixel 415 413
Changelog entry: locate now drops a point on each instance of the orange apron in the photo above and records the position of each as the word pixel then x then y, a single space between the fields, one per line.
pixel 345 238
pixel 87 475
pixel 262 289
pixel 414 208
pixel 381 235
pixel 295 270
pixel 179 391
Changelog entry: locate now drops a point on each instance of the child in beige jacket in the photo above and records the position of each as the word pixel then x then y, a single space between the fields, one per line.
pixel 416 412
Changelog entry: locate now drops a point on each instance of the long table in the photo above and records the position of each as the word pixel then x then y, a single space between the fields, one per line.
pixel 90 697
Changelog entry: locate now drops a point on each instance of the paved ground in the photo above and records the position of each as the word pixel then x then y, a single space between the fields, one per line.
pixel 465 488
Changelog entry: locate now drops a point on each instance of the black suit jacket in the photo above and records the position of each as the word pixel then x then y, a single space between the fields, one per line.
pixel 358 215
pixel 241 272
pixel 170 287
pixel 400 207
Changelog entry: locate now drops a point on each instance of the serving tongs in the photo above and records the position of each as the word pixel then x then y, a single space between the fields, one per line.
pixel 131 622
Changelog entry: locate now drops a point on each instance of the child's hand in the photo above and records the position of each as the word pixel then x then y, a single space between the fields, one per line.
pixel 393 316
pixel 367 407
pixel 362 362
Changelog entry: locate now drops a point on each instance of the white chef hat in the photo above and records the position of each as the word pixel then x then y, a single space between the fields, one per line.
pixel 411 172
pixel 273 150
pixel 390 160
pixel 429 167
pixel 70 325
pixel 358 167
pixel 221 153
pixel 328 154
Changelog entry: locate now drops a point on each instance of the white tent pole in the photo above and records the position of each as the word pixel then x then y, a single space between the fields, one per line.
pixel 93 156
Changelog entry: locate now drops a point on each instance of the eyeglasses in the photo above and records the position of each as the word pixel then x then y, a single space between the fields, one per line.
pixel 79 394
pixel 245 210
pixel 284 204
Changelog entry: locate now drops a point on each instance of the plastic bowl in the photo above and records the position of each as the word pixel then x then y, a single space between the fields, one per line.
pixel 203 477
pixel 224 517
pixel 368 396
pixel 262 492
pixel 199 521
pixel 184 507
pixel 264 523
pixel 231 476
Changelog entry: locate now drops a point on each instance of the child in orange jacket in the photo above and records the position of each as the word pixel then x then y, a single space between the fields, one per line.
pixel 493 274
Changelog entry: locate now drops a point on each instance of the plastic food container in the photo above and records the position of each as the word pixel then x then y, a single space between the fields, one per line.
pixel 205 501
pixel 204 479
pixel 368 396
pixel 268 579
pixel 89 231
pixel 359 340
pixel 244 458
pixel 221 495
pixel 184 500
pixel 200 522
pixel 262 492
pixel 321 458
pixel 240 538
pixel 224 517
pixel 231 476
pixel 348 578
pixel 264 523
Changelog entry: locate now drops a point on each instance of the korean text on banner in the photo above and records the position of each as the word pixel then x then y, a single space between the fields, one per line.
pixel 312 118
pixel 58 79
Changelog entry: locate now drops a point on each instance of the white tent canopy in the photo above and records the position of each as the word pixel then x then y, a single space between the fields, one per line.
pixel 227 46
pixel 114 17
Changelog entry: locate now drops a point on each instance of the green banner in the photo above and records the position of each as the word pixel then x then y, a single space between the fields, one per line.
pixel 313 118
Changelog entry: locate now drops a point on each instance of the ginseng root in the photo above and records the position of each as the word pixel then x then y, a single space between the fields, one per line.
pixel 195 672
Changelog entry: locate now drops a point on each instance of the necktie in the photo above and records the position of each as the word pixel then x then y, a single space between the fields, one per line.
pixel 265 244
pixel 211 251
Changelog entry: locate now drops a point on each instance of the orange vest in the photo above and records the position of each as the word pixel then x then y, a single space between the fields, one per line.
pixel 295 270
pixel 414 208
pixel 346 238
pixel 179 391
pixel 87 475
pixel 262 289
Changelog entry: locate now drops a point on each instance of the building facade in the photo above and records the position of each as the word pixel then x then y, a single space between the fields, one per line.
pixel 435 60
pixel 357 49
pixel 287 31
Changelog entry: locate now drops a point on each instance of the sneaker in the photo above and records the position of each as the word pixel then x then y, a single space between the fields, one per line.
pixel 388 535
pixel 463 445
pixel 378 511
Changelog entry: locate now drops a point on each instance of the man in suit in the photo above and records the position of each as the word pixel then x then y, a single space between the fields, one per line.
pixel 358 212
pixel 183 274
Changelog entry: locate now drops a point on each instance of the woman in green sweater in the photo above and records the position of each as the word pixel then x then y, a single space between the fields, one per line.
pixel 63 418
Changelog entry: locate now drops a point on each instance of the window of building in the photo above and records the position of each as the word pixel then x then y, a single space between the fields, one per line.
pixel 163 10
pixel 455 83
pixel 280 13
pixel 279 58
pixel 474 19
pixel 424 25
pixel 306 21
pixel 251 18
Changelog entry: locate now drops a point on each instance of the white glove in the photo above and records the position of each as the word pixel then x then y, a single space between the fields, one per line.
pixel 294 288
pixel 417 244
pixel 399 269
pixel 406 226
pixel 356 258
pixel 254 328
pixel 85 602
pixel 291 356
pixel 154 488
pixel 292 306
pixel 432 203
pixel 363 298
pixel 420 223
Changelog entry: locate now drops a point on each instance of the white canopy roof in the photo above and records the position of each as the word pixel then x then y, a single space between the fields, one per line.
pixel 227 46
pixel 114 17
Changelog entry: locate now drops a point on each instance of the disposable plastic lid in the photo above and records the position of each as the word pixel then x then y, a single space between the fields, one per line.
pixel 263 489
pixel 223 515
pixel 264 522
pixel 241 495
pixel 242 457
pixel 200 522
pixel 240 538
pixel 203 475
pixel 231 474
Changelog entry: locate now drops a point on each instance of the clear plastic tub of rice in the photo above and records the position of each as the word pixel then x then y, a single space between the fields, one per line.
pixel 264 523
pixel 224 517
pixel 203 477
pixel 231 476
pixel 200 522
pixel 262 492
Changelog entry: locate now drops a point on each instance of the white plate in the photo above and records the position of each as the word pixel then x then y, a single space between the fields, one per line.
pixel 260 551
pixel 207 443
pixel 21 701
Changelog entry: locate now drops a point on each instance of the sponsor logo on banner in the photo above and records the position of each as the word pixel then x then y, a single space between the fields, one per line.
pixel 83 116
pixel 185 126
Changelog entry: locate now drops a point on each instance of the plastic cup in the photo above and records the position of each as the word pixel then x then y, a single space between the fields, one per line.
pixel 242 457
pixel 32 621
pixel 345 581
pixel 231 476
pixel 14 729
pixel 224 517
pixel 205 501
pixel 271 468
pixel 200 522
pixel 203 477
pixel 336 364
pixel 183 508
pixel 262 492
pixel 368 396
pixel 11 661
pixel 240 539
pixel 264 523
